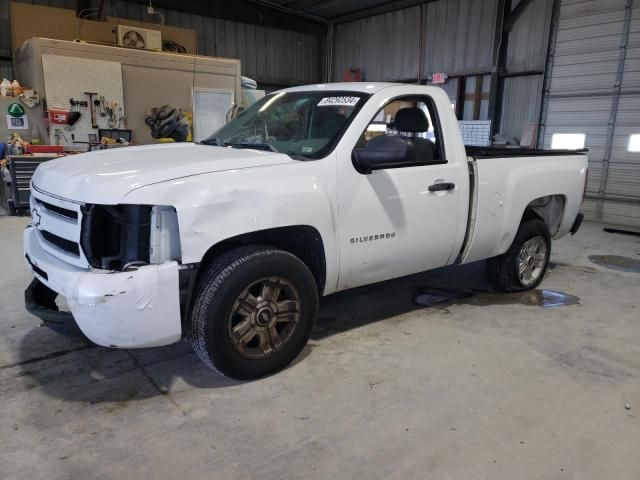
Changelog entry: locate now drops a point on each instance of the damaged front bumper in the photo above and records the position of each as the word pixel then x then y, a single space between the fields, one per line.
pixel 133 309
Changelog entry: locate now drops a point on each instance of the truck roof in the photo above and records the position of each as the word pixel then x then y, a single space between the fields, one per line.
pixel 366 87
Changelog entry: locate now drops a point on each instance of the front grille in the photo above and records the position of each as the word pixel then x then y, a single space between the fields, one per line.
pixel 63 212
pixel 62 243
pixel 58 223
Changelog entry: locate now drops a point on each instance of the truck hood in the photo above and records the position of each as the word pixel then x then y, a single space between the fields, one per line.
pixel 106 176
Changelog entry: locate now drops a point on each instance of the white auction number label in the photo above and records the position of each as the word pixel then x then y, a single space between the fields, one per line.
pixel 338 102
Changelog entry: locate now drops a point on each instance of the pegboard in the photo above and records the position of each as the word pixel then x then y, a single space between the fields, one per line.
pixel 71 77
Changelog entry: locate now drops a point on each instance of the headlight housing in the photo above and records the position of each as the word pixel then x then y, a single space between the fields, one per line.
pixel 117 237
pixel 164 237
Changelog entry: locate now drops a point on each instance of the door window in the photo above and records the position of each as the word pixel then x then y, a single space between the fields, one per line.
pixel 414 120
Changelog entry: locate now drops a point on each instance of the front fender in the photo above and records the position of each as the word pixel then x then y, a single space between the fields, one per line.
pixel 217 206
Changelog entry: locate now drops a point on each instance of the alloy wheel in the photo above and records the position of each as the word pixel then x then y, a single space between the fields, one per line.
pixel 531 260
pixel 264 317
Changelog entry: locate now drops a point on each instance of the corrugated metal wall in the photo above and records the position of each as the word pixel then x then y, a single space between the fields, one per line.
pixel 527 48
pixel 594 88
pixel 520 104
pixel 269 55
pixel 5 41
pixel 527 51
pixel 459 40
pixel 384 47
pixel 459 36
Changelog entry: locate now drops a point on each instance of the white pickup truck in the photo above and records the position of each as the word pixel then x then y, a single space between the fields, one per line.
pixel 310 191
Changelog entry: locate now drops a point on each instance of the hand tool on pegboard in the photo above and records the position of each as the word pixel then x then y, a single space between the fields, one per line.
pixel 92 108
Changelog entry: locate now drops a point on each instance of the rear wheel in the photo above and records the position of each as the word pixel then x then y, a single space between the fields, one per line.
pixel 524 265
pixel 253 312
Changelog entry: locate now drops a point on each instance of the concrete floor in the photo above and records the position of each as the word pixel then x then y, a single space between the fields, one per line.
pixel 486 388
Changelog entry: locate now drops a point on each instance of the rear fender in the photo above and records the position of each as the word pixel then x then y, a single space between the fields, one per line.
pixel 507 187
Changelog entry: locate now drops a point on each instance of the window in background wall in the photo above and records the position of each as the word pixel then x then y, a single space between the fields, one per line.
pixel 472 102
pixel 634 143
pixel 568 141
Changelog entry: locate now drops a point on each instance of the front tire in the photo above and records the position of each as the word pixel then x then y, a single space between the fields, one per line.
pixel 253 312
pixel 525 264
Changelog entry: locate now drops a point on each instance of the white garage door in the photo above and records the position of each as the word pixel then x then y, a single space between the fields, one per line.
pixel 592 96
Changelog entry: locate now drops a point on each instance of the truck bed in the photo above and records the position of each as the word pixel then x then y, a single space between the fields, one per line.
pixel 505 181
pixel 501 152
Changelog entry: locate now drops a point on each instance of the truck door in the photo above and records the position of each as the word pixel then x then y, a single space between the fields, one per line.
pixel 403 219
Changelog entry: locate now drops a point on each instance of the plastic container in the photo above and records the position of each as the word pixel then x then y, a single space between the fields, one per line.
pixel 6 88
pixel 16 88
pixel 35 138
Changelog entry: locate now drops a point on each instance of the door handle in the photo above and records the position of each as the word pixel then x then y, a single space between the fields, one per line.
pixel 439 187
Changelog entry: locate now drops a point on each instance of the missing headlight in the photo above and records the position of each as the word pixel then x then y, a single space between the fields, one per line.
pixel 114 235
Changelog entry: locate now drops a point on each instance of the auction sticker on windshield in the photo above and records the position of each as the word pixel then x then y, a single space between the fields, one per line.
pixel 338 102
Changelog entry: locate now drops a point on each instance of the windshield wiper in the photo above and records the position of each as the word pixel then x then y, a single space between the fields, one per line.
pixel 212 141
pixel 258 146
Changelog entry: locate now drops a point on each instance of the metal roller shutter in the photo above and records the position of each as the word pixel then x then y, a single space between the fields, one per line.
pixel 592 87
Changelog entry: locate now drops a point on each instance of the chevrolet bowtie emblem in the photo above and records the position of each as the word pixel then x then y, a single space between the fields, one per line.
pixel 35 218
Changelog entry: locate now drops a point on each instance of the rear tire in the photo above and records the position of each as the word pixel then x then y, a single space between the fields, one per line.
pixel 524 265
pixel 253 312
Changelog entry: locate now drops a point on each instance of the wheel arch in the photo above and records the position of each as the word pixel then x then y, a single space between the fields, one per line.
pixel 303 241
pixel 550 209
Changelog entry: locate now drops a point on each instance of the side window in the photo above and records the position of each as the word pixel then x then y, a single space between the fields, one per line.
pixel 415 121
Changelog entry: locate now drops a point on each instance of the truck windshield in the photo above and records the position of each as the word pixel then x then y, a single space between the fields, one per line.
pixel 304 125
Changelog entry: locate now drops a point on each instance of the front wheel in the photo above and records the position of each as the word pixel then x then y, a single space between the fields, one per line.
pixel 524 265
pixel 253 312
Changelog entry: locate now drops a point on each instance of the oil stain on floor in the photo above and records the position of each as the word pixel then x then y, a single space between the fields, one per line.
pixel 616 262
pixel 431 297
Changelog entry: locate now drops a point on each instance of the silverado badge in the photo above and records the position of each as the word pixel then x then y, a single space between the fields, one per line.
pixel 373 238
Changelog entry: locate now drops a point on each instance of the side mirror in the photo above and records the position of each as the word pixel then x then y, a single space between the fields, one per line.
pixel 383 152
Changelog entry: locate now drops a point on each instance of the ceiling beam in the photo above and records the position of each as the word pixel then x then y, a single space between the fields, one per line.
pixel 256 12
pixel 296 12
pixel 378 10
pixel 302 5
pixel 516 13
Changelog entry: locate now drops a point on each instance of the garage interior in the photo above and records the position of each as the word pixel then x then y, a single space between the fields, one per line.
pixel 542 384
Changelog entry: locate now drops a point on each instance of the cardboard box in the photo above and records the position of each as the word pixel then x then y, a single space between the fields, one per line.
pixel 28 21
